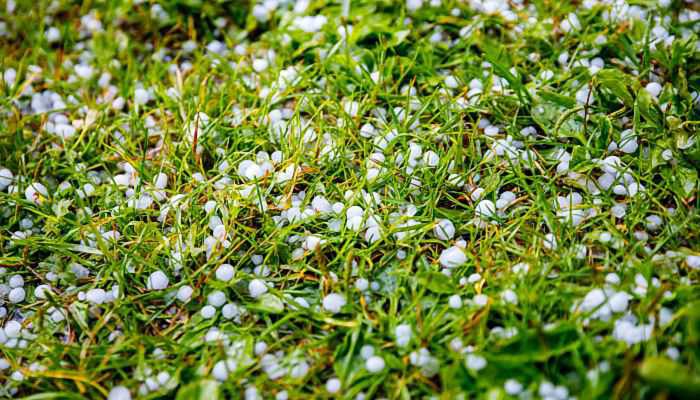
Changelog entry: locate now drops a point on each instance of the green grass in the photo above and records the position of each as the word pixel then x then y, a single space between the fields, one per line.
pixel 387 62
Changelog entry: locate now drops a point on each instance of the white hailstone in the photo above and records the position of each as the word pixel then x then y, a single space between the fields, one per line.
pixel 452 257
pixel 352 108
pixel 455 301
pixel 509 296
pixel 161 181
pixel 366 351
pixel 612 279
pixel 16 281
pixel 361 284
pixel 431 158
pixel 282 395
pixel 375 364
pixel 119 393
pixel 224 272
pixel 53 35
pixel 611 165
pixel 673 353
pixel 481 300
pixel 41 290
pixel 451 82
pixel 373 234
pixel 550 242
pixel 257 288
pixel 367 130
pixel 653 222
pixel 333 385
pixel 230 311
pixel 36 192
pixel 521 268
pixel 491 130
pixel 654 89
pixel 96 296
pixel 13 329
pixel 444 229
pixel 6 178
pixel 693 261
pixel 403 335
pixel 312 242
pixel 260 64
pixel 628 141
pixel 513 387
pixel 16 295
pixel 618 210
pixel 4 364
pixel 475 362
pixel 208 312
pixel 334 302
pixel 157 281
pixel 630 333
pixel 216 298
pixel 485 209
pixel 474 278
pixel 184 293
pixel 413 5
pixel 141 96
pixel 667 155
pixel 221 370
pixel 619 302
pixel 321 205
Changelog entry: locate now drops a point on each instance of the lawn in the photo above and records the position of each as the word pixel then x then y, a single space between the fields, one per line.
pixel 349 199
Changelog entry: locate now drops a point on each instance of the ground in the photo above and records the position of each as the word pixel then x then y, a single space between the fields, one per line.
pixel 349 199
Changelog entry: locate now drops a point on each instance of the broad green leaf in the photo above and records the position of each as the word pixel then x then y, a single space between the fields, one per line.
pixel 615 81
pixel 205 389
pixel 669 375
pixel 436 282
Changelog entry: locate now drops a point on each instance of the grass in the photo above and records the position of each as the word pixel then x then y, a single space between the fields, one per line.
pixel 440 79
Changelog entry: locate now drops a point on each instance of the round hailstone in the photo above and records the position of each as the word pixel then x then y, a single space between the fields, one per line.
pixel 366 351
pixel 216 298
pixel 693 261
pixel 455 301
pixel 374 364
pixel 444 229
pixel 96 296
pixel 41 290
pixel 184 293
pixel 224 272
pixel 36 192
pixel 481 300
pixel 16 281
pixel 13 329
pixel 312 242
pixel 654 89
pixel 333 302
pixel 161 181
pixel 16 295
pixel 452 257
pixel 6 177
pixel 119 393
pixel 220 371
pixel 485 209
pixel 619 302
pixel 513 387
pixel 475 362
pixel 333 385
pixel 157 281
pixel 208 312
pixel 257 288
pixel 403 335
